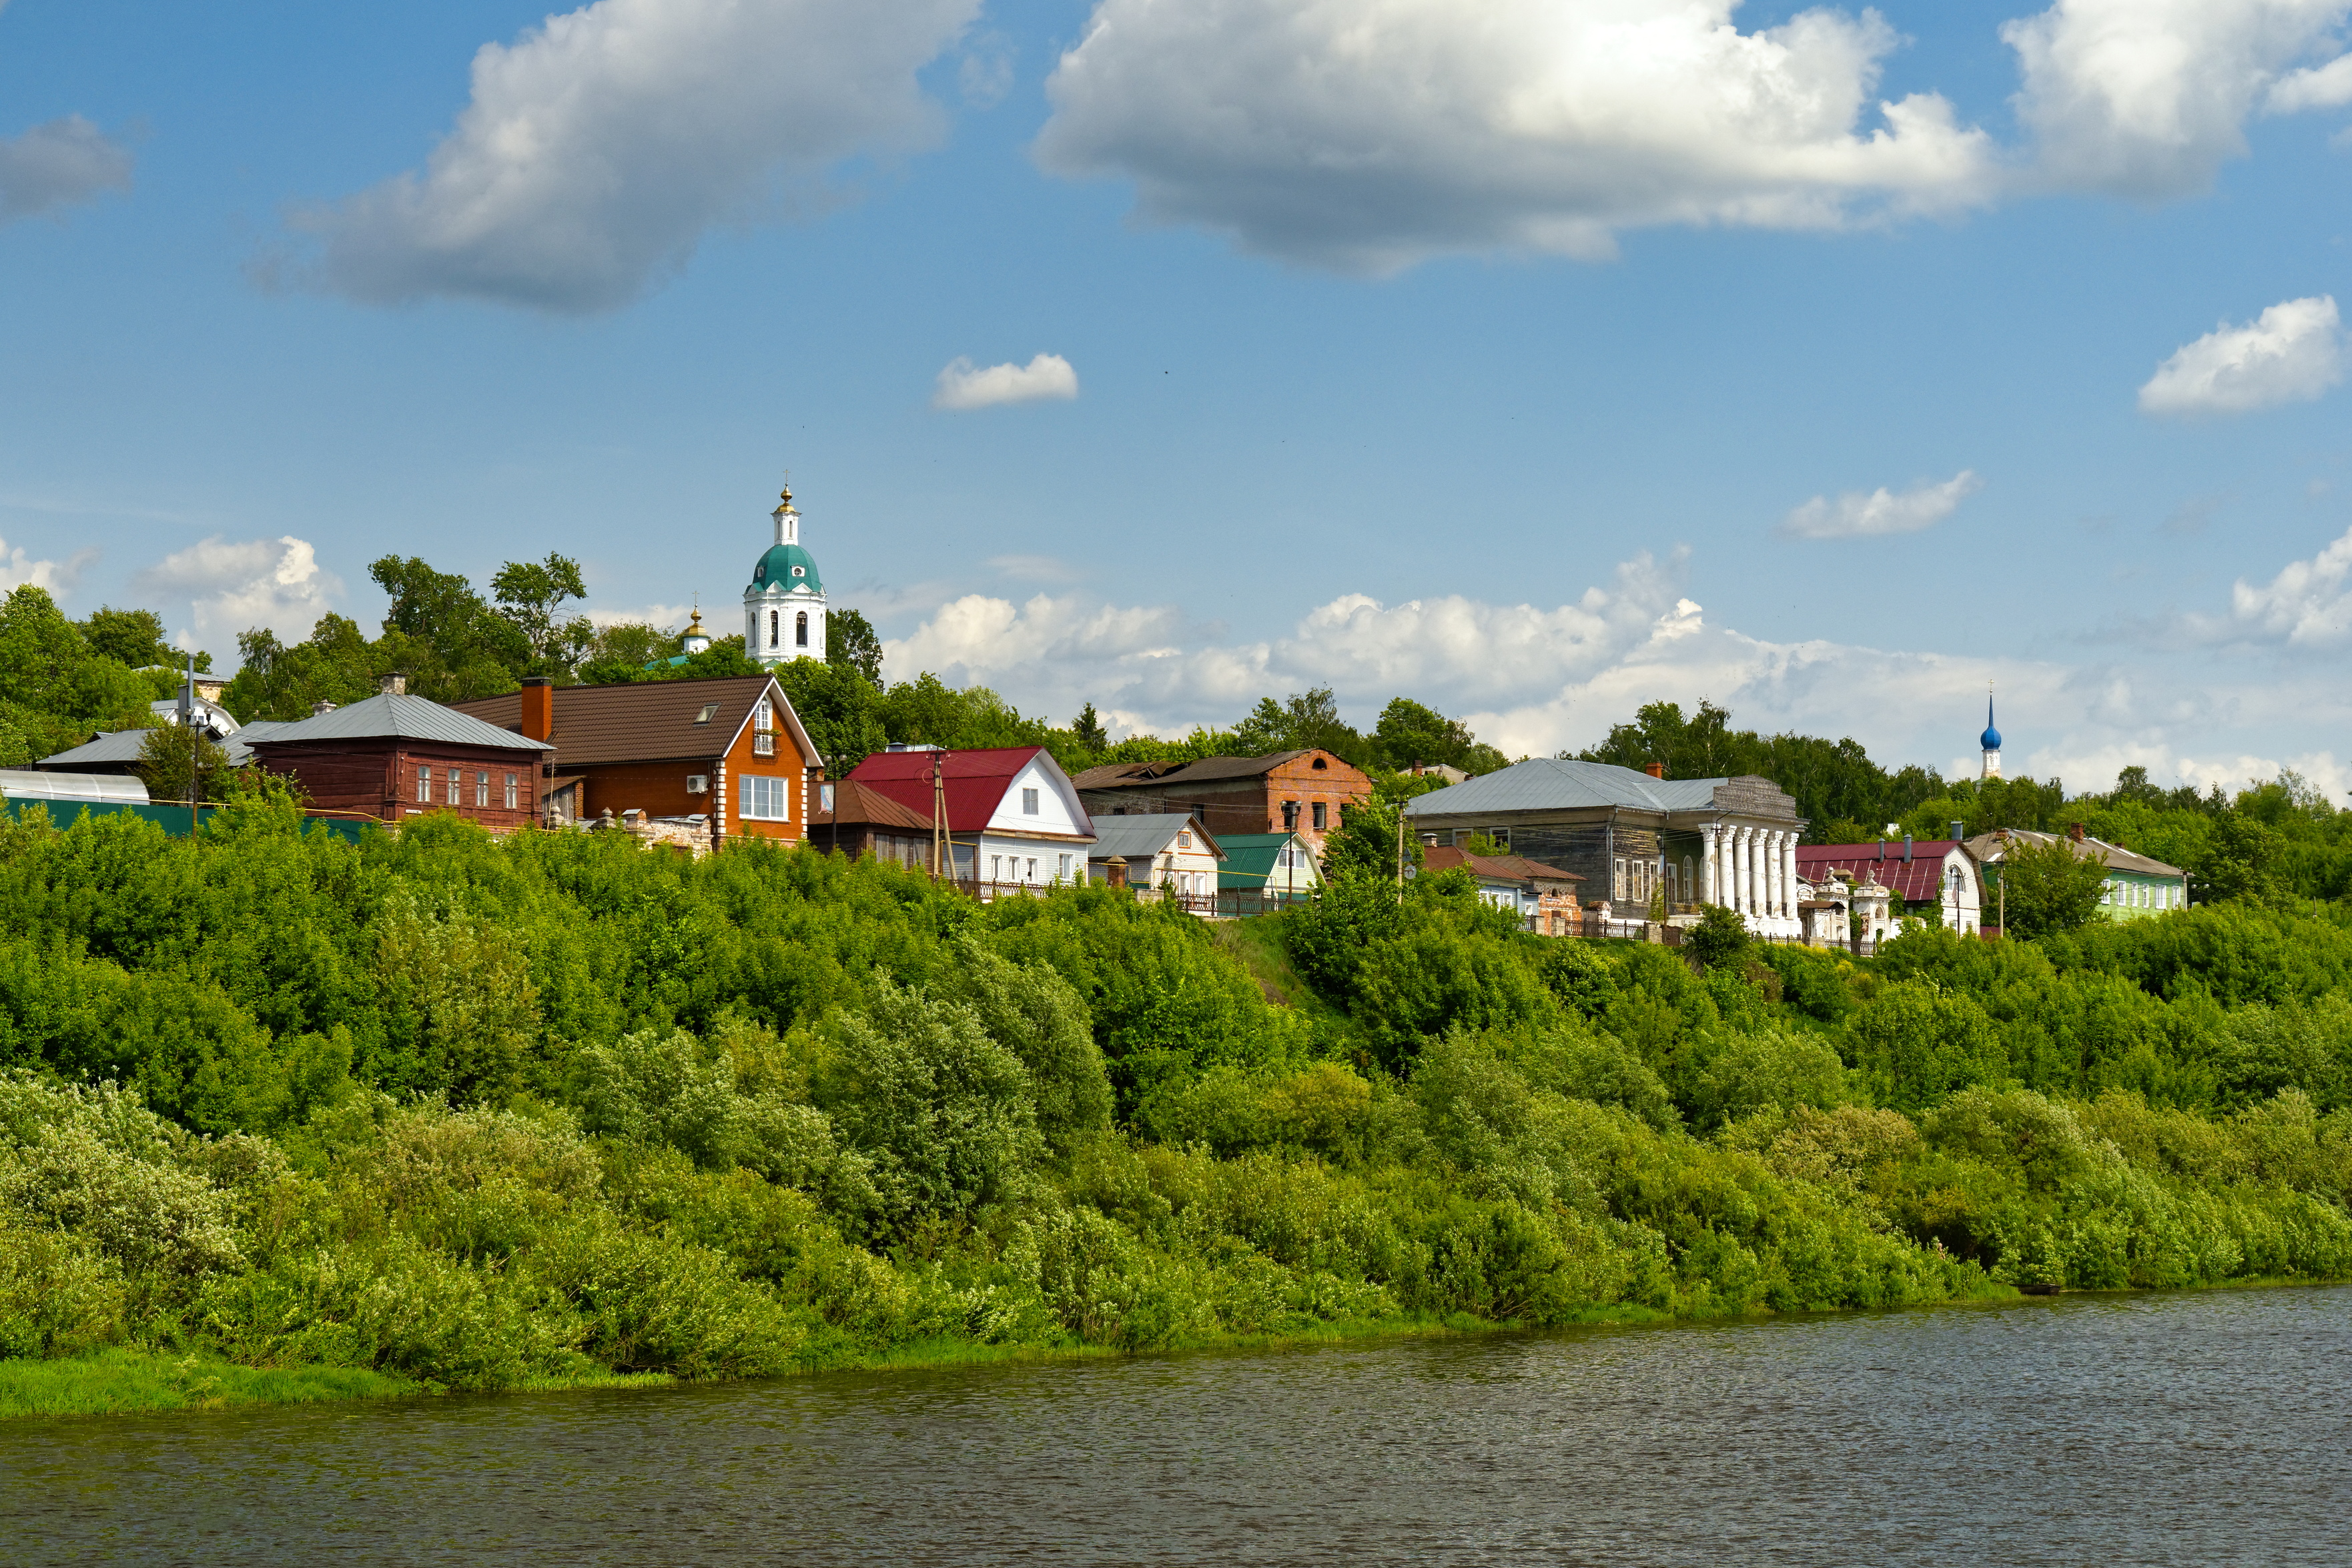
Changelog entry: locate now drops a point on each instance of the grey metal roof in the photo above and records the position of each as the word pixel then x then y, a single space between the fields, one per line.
pixel 1145 836
pixel 397 716
pixel 1987 847
pixel 120 748
pixel 1560 784
pixel 18 783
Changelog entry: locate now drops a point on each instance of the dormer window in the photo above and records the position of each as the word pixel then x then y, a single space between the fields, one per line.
pixel 1028 803
pixel 800 571
pixel 1318 763
pixel 710 711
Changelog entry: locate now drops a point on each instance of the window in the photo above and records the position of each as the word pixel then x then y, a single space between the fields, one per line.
pixel 774 621
pixel 1322 816
pixel 1690 883
pixel 766 798
pixel 1028 803
pixel 457 783
pixel 800 624
pixel 1183 841
pixel 482 791
pixel 1318 764
pixel 1061 871
pixel 1618 879
pixel 996 867
pixel 425 786
pixel 1289 816
pixel 710 711
pixel 1033 871
pixel 514 798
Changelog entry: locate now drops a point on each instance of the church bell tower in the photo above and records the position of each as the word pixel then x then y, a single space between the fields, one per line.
pixel 783 609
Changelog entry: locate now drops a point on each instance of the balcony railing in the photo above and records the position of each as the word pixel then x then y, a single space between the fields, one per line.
pixel 763 743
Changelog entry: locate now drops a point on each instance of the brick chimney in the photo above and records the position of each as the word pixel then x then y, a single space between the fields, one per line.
pixel 1656 770
pixel 393 685
pixel 537 707
pixel 2074 831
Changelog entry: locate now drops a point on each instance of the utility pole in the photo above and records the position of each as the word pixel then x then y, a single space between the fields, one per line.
pixel 188 735
pixel 940 842
pixel 1400 846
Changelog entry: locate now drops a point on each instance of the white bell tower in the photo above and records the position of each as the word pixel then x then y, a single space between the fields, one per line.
pixel 783 608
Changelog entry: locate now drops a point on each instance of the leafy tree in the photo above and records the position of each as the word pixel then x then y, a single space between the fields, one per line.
pixel 2047 887
pixel 843 713
pixel 1721 940
pixel 55 688
pixel 850 642
pixel 135 638
pixel 1308 719
pixel 453 645
pixel 528 595
pixel 171 753
pixel 1409 733
pixel 1365 843
pixel 335 663
pixel 1086 730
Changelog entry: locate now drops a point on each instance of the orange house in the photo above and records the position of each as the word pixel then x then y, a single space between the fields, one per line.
pixel 729 755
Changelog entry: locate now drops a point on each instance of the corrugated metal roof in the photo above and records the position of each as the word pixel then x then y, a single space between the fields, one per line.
pixel 1987 847
pixel 390 715
pixel 1147 835
pixel 1920 879
pixel 120 748
pixel 975 781
pixel 1501 868
pixel 19 783
pixel 1204 770
pixel 854 805
pixel 1249 857
pixel 1562 784
pixel 645 721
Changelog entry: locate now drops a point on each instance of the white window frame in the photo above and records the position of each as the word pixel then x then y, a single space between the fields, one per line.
pixel 457 790
pixel 1028 803
pixel 1063 874
pixel 762 791
pixel 514 796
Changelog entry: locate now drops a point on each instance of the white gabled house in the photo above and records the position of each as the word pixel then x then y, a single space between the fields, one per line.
pixel 1013 818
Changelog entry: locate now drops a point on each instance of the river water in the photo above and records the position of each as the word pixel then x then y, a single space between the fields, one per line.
pixel 2206 1428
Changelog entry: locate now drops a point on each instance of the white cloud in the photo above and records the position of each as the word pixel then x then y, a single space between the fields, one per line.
pixel 600 146
pixel 1368 135
pixel 670 615
pixel 1855 515
pixel 2148 97
pixel 18 569
pixel 962 385
pixel 56 165
pixel 235 586
pixel 2308 606
pixel 2292 354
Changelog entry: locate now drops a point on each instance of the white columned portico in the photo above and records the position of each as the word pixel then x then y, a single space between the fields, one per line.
pixel 1734 861
pixel 1788 850
pixel 1779 877
pixel 1747 873
pixel 1707 864
pixel 1768 876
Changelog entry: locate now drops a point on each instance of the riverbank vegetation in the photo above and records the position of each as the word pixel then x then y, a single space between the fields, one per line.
pixel 450 1113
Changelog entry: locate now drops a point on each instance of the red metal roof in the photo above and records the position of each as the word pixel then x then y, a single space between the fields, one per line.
pixel 1918 880
pixel 1502 867
pixel 975 781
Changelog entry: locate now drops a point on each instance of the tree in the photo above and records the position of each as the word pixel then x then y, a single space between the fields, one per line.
pixel 1087 730
pixel 529 594
pixel 1365 845
pixel 2047 887
pixel 841 712
pixel 1409 733
pixel 851 643
pixel 1307 720
pixel 452 644
pixel 57 686
pixel 1721 940
pixel 620 653
pixel 172 753
pixel 335 663
pixel 135 638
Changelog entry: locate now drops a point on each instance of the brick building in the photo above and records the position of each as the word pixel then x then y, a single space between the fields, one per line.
pixel 395 757
pixel 1286 792
pixel 729 756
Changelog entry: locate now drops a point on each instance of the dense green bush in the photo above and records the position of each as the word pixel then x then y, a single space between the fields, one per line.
pixel 485 1113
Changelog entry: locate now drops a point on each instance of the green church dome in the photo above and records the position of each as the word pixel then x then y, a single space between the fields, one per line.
pixel 786 566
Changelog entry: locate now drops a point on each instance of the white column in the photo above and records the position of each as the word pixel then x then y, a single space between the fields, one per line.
pixel 1788 852
pixel 1782 902
pixel 1731 867
pixel 1742 880
pixel 1705 893
pixel 1768 887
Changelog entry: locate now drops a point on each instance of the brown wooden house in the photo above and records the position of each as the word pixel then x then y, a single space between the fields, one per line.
pixel 396 756
pixel 858 820
pixel 1286 792
pixel 730 753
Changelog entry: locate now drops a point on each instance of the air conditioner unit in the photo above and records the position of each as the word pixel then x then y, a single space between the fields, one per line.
pixel 697 783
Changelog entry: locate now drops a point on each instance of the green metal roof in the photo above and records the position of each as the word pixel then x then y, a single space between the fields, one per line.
pixel 1249 858
pixel 777 565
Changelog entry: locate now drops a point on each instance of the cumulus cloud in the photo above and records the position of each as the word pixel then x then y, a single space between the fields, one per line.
pixel 1856 515
pixel 56 165
pixel 600 146
pixel 230 586
pixel 2291 353
pixel 2149 97
pixel 1369 136
pixel 2308 606
pixel 19 569
pixel 962 385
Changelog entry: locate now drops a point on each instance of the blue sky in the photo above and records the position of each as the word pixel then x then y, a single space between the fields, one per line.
pixel 1476 353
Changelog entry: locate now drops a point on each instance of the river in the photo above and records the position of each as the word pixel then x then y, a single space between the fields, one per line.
pixel 2204 1428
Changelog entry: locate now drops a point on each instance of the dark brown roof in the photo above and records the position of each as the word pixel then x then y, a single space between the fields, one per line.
pixel 1505 868
pixel 652 721
pixel 856 804
pixel 1134 775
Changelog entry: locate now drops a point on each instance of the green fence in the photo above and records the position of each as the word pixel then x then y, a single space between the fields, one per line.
pixel 177 820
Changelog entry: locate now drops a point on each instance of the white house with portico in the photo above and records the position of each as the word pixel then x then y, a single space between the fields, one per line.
pixel 1636 839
